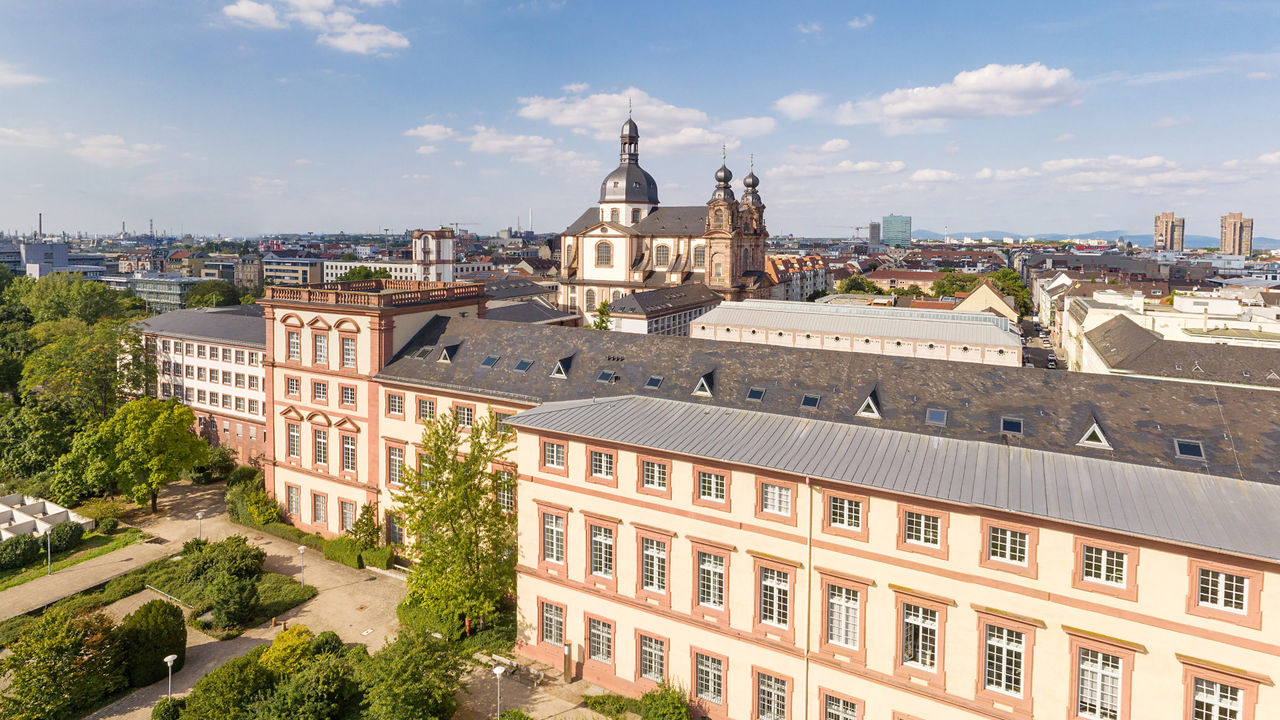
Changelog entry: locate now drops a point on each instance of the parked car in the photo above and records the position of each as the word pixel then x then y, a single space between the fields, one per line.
pixel 1044 334
pixel 1053 358
pixel 1027 364
pixel 1053 365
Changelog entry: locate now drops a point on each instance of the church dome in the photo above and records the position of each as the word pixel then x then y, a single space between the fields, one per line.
pixel 629 129
pixel 629 183
pixel 723 175
pixel 750 181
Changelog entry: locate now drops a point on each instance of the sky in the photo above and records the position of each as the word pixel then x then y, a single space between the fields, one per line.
pixel 242 117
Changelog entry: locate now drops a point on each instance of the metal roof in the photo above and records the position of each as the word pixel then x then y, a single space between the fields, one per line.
pixel 1185 507
pixel 236 325
pixel 845 320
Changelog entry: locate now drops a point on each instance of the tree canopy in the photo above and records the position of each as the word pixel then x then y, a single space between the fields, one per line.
pixel 858 284
pixel 953 282
pixel 64 295
pixel 213 293
pixel 92 367
pixel 361 272
pixel 603 320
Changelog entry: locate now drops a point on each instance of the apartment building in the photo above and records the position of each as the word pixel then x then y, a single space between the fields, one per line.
pixel 213 360
pixel 291 267
pixel 796 277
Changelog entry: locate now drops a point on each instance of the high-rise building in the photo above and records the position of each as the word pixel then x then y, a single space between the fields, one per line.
pixel 896 230
pixel 1168 232
pixel 1237 234
pixel 873 233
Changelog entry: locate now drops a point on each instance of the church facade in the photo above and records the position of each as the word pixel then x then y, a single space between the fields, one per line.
pixel 629 243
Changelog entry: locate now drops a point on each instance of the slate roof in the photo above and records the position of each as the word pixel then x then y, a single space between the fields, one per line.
pixel 528 311
pixel 1179 505
pixel 1127 347
pixel 674 221
pixel 516 288
pixel 1239 430
pixel 664 300
pixel 235 325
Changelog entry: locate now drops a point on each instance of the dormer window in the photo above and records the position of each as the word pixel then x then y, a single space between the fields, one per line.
pixel 489 361
pixel 524 365
pixel 1094 438
pixel 810 400
pixel 703 388
pixel 1189 449
pixel 558 370
pixel 1011 426
pixel 869 408
pixel 756 394
pixel 653 383
pixel 935 416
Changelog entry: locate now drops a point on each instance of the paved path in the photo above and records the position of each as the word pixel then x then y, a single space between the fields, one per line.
pixel 553 701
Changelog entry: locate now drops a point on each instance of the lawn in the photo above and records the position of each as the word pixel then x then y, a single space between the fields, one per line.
pixel 93 546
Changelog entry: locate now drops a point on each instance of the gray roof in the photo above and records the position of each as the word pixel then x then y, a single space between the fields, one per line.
pixel 674 221
pixel 1239 431
pixel 235 325
pixel 1126 346
pixel 664 300
pixel 526 311
pixel 629 183
pixel 1177 505
pixel 516 288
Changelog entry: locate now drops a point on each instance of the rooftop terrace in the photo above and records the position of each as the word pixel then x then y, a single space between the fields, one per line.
pixel 375 293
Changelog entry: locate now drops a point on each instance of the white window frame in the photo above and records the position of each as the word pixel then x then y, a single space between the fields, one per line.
pixel 653 658
pixel 1215 700
pixel 602 544
pixel 653 565
pixel 922 529
pixel 711 569
pixel 1213 591
pixel 320 446
pixel 1007 545
pixel 709 678
pixel 1104 561
pixel 552 624
pixel 919 637
pixel 844 608
pixel 775 499
pixel 349 456
pixel 600 641
pixel 553 538
pixel 771 697
pixel 348 352
pixel 848 516
pixel 1099 684
pixel 653 475
pixel 294 340
pixel 395 464
pixel 553 455
pixel 602 464
pixel 293 441
pixel 712 486
pixel 775 597
pixel 1004 660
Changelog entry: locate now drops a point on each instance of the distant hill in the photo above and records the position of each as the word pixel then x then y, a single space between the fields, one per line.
pixel 1195 241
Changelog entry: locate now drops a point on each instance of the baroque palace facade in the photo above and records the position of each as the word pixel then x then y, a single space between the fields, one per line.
pixel 793 533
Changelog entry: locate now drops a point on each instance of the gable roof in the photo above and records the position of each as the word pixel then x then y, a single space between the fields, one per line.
pixel 663 300
pixel 674 221
pixel 1127 347
pixel 235 325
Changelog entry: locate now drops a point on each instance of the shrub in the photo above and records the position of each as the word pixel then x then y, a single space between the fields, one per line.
pixel 324 688
pixel 234 599
pixel 343 550
pixel 227 692
pixel 515 715
pixel 245 475
pixel 18 551
pixel 99 509
pixel 149 634
pixel 289 652
pixel 233 556
pixel 327 643
pixel 665 702
pixel 222 460
pixel 65 535
pixel 612 706
pixel 237 505
pixel 380 558
pixel 365 530
pixel 108 525
pixel 63 663
pixel 261 509
pixel 168 709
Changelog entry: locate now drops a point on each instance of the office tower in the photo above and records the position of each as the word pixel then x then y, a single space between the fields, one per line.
pixel 1237 235
pixel 873 233
pixel 1168 232
pixel 895 230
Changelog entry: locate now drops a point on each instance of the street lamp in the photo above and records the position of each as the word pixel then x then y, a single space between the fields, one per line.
pixel 497 672
pixel 168 660
pixel 48 548
pixel 302 549
pixel 199 517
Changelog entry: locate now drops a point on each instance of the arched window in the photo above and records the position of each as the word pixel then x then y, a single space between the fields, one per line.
pixel 719 216
pixel 700 256
pixel 613 215
pixel 635 215
pixel 591 300
pixel 616 295
pixel 746 257
pixel 662 256
pixel 604 254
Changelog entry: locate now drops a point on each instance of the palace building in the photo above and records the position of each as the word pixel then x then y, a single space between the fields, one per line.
pixel 795 533
pixel 628 243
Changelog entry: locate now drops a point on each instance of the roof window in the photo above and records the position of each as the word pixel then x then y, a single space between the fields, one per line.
pixel 524 365
pixel 558 370
pixel 869 408
pixel 1191 449
pixel 703 388
pixel 935 416
pixel 653 383
pixel 755 393
pixel 810 400
pixel 446 354
pixel 605 376
pixel 1095 438
pixel 489 361
pixel 1011 425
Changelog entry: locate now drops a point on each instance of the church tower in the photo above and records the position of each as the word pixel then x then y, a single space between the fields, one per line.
pixel 628 194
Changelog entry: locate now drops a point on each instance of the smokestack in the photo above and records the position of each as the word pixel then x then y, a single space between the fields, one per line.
pixel 40 225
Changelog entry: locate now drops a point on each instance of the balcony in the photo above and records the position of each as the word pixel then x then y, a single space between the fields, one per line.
pixel 379 293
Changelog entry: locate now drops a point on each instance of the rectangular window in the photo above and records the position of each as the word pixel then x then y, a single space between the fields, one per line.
pixel 293 501
pixel 711 580
pixel 506 488
pixel 1216 701
pixel 839 709
pixel 1098 683
pixel 214 399
pixel 771 697
pixel 347 510
pixel 919 636
pixel 1222 590
pixel 602 551
pixel 200 374
pixel 349 453
pixel 348 396
pixel 775 597
pixel 200 396
pixel 239 404
pixel 426 409
pixel 253 382
pixel 239 380
pixel 653 658
pixel 553 455
pixel 552 538
pixel 600 640
pixel 191 371
pixel 295 346
pixel 319 509
pixel 653 565
pixel 1103 565
pixel 844 513
pixel 200 351
pixel 842 616
pixel 709 680
pixel 253 358
pixel 922 529
pixel 320 391
pixel 711 486
pixel 653 475
pixel 189 349
pixel 775 499
pixel 1004 658
pixel 395 465
pixel 395 404
pixel 253 407
pixel 226 354
pixel 1007 545
pixel 395 532
pixel 466 415
pixel 295 440
pixel 320 349
pixel 321 446
pixel 348 352
pixel 601 464
pixel 293 386
pixel 239 357
pixel 552 624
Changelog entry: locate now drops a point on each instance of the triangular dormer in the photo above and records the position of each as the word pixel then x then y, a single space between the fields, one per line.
pixel 705 384
pixel 870 407
pixel 561 370
pixel 447 353
pixel 1095 438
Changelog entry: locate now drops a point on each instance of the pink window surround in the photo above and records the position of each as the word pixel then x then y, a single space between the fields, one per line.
pixel 863 587
pixel 589 476
pixel 608 584
pixel 717 615
pixel 1030 569
pixel 559 569
pixel 714 711
pixel 1252 615
pixel 727 504
pixel 644 684
pixel 944 519
pixel 769 630
pixel 1081 640
pixel 828 528
pixel 1027 626
pixel 755 691
pixel 662 599
pixel 1128 591
pixel 640 486
pixel 762 514
pixel 936 678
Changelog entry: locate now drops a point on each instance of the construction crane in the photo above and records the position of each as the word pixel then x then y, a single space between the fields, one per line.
pixel 854 228
pixel 457 224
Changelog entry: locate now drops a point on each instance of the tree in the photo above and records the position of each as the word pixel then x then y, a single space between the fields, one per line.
pixel 36 434
pixel 146 445
pixel 62 663
pixel 150 634
pixel 94 367
pixel 325 689
pixel 67 295
pixel 289 652
pixel 910 291
pixel 602 321
pixel 235 599
pixel 414 678
pixel 1010 283
pixel 361 272
pixel 365 530
pixel 467 567
pixel 349 257
pixel 813 296
pixel 228 691
pixel 213 293
pixel 222 460
pixel 953 282
pixel 858 284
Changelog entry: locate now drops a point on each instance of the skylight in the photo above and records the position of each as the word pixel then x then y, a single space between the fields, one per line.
pixel 1011 426
pixel 653 383
pixel 605 376
pixel 489 361
pixel 524 365
pixel 935 416
pixel 1095 438
pixel 755 394
pixel 869 409
pixel 703 388
pixel 1189 449
pixel 558 370
pixel 810 400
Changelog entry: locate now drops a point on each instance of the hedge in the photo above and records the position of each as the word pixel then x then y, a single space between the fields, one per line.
pixel 380 558
pixel 150 634
pixel 65 535
pixel 343 550
pixel 18 551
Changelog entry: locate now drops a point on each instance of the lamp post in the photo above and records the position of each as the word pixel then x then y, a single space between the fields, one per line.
pixel 48 548
pixel 497 673
pixel 168 660
pixel 302 554
pixel 199 517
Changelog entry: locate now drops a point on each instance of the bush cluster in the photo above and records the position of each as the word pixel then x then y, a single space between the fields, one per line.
pixel 665 702
pixel 219 466
pixel 380 558
pixel 106 526
pixel 343 550
pixel 18 551
pixel 149 635
pixel 65 535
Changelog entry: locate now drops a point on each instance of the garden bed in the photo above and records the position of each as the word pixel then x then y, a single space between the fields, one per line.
pixel 93 545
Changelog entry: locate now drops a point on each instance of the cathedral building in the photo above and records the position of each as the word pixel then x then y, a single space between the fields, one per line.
pixel 628 243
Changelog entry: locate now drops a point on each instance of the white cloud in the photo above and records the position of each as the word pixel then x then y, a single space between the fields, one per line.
pixel 844 167
pixel 861 22
pixel 1065 137
pixel 10 137
pixel 1111 162
pixel 664 127
pixel 112 151
pixel 991 91
pixel 426 149
pixel 691 138
pixel 254 14
pixel 266 186
pixel 1003 175
pixel 1168 122
pixel 430 132
pixel 364 39
pixel 533 149
pixel 934 175
pixel 415 176
pixel 835 145
pixel 812 28
pixel 1259 75
pixel 799 105
pixel 575 88
pixel 11 76
pixel 1270 158
pixel 749 126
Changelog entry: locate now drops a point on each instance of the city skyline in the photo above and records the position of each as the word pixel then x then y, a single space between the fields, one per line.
pixel 292 115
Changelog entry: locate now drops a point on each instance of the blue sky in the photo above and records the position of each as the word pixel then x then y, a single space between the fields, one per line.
pixel 249 116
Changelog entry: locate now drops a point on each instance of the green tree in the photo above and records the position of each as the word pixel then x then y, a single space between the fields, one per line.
pixel 62 663
pixel 858 284
pixel 146 445
pixel 910 291
pixel 953 282
pixel 363 273
pixel 325 689
pixel 365 530
pixel 289 652
pixel 67 295
pixel 228 691
pixel 150 634
pixel 603 320
pixel 35 434
pixel 235 599
pixel 349 257
pixel 94 367
pixel 1010 283
pixel 468 566
pixel 213 293
pixel 414 678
